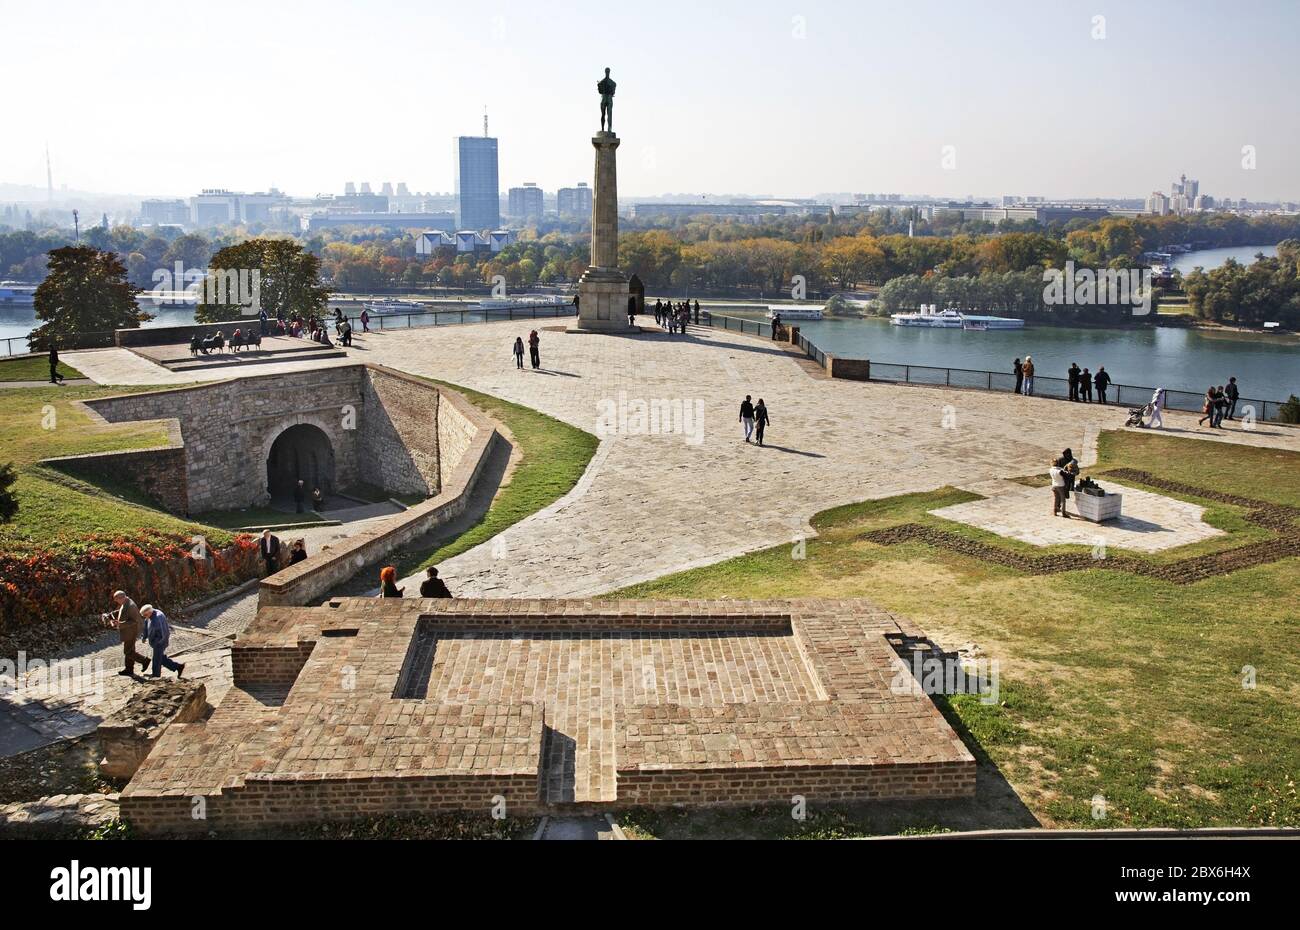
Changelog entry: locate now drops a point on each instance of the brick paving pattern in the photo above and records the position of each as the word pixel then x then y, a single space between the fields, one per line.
pixel 370 705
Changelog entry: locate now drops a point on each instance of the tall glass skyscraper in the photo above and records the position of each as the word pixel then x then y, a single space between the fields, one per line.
pixel 476 182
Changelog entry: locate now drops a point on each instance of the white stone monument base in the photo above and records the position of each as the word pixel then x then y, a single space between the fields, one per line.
pixel 1098 509
pixel 602 303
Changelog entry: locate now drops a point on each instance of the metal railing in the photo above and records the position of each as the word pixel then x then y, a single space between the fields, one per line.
pixel 756 327
pixel 18 345
pixel 380 322
pixel 1119 395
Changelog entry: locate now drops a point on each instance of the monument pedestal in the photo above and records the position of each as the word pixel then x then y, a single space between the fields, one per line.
pixel 603 291
pixel 602 303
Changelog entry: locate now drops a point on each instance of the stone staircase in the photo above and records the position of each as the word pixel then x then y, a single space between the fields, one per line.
pixel 274 350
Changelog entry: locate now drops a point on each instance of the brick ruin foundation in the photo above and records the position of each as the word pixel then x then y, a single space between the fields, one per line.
pixel 374 707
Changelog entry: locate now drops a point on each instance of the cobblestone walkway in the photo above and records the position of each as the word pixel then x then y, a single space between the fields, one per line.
pixel 82 687
pixel 691 492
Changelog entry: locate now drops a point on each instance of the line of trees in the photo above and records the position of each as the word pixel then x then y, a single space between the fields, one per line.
pixel 706 257
pixel 1266 291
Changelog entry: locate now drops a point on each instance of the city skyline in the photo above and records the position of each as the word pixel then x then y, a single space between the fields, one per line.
pixel 767 98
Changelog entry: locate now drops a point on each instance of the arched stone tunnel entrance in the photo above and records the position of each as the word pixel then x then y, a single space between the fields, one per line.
pixel 300 452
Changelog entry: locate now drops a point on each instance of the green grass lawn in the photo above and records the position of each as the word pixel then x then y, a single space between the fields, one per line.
pixel 57 510
pixel 553 457
pixel 1111 684
pixel 34 368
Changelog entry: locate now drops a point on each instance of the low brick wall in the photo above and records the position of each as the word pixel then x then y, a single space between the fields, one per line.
pixel 268 666
pixel 261 803
pixel 851 369
pixel 169 335
pixel 312 579
pixel 724 787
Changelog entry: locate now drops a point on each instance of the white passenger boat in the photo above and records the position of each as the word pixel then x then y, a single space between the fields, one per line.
pixel 395 306
pixel 794 313
pixel 524 302
pixel 930 317
pixel 14 294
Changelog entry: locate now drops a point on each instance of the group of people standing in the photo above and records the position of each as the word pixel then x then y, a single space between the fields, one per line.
pixel 674 317
pixel 1220 404
pixel 753 419
pixel 534 350
pixel 1081 381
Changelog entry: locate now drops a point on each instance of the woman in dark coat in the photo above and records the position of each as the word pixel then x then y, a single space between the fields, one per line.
pixel 388 583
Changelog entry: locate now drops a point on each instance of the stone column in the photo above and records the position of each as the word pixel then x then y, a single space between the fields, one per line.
pixel 603 291
pixel 604 204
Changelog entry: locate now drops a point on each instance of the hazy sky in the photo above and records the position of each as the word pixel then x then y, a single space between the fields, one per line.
pixel 792 98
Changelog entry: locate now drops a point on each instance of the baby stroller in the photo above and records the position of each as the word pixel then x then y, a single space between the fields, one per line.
pixel 1136 415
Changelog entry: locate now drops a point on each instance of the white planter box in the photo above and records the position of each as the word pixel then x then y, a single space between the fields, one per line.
pixel 1098 509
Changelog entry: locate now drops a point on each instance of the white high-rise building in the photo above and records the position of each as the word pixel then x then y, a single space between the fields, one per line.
pixel 1158 204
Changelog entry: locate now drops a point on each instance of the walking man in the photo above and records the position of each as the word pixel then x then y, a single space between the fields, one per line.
pixel 747 417
pixel 519 353
pixel 535 349
pixel 1102 380
pixel 158 632
pixel 127 621
pixel 1232 394
pixel 269 548
pixel 365 320
pixel 55 377
pixel 760 420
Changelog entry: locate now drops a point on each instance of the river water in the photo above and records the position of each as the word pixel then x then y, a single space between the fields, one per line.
pixel 1179 359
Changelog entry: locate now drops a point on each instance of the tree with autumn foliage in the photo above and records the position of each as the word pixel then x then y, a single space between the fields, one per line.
pixel 288 276
pixel 85 291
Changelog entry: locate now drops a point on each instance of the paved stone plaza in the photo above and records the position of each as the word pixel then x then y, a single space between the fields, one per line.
pixel 654 504
pixel 1150 522
pixel 368 706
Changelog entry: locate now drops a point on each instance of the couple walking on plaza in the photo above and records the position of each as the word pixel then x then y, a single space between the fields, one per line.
pixel 754 419
pixel 148 624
